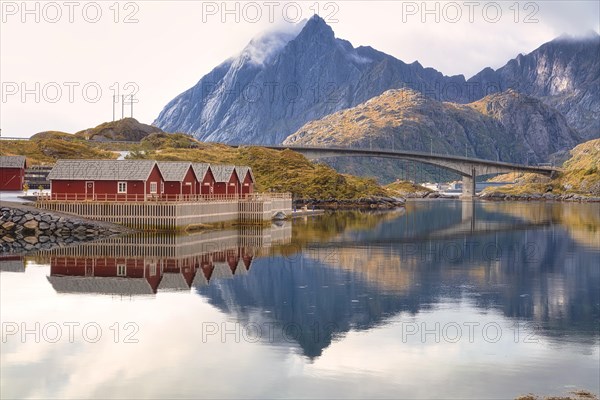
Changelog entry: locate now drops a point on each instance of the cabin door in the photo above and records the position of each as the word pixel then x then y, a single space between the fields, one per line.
pixel 89 190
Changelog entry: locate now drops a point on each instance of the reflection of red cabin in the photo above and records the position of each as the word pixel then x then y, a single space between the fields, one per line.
pixel 131 276
pixel 141 275
pixel 180 178
pixel 226 179
pixel 206 180
pixel 120 179
pixel 12 172
pixel 246 185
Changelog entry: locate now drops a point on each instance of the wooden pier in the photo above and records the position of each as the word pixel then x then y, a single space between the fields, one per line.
pixel 168 214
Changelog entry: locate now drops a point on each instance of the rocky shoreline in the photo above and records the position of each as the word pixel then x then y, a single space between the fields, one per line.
pixel 24 228
pixel 365 203
pixel 497 196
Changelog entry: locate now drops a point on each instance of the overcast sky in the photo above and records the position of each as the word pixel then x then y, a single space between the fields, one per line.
pixel 61 62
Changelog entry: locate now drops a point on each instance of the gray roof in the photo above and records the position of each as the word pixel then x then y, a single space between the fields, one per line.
pixel 102 170
pixel 105 285
pixel 173 281
pixel 12 161
pixel 241 268
pixel 242 170
pixel 200 169
pixel 173 171
pixel 12 266
pixel 222 173
pixel 221 271
pixel 199 279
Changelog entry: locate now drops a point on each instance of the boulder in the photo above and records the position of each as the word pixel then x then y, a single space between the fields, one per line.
pixel 33 224
pixel 44 239
pixel 7 239
pixel 8 225
pixel 31 239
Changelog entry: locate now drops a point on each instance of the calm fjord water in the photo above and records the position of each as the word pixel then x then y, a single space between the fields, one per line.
pixel 447 299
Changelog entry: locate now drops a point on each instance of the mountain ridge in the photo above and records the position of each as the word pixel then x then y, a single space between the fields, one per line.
pixel 316 74
pixel 507 126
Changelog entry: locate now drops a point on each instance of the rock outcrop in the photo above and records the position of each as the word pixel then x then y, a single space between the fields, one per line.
pixel 497 196
pixel 23 230
pixel 365 203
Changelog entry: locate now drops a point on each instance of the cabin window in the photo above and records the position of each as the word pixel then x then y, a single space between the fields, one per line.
pixel 153 187
pixel 162 187
pixel 122 188
pixel 121 270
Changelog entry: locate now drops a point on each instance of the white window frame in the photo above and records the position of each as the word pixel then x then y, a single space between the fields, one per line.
pixel 153 188
pixel 119 191
pixel 152 269
pixel 162 187
pixel 121 269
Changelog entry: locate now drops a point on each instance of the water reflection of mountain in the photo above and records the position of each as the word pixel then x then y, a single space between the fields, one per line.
pixel 528 269
pixel 144 264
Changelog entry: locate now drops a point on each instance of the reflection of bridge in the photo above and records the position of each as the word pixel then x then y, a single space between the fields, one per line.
pixel 469 225
pixel 468 168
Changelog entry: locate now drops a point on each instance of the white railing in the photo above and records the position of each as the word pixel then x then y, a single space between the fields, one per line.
pixel 83 197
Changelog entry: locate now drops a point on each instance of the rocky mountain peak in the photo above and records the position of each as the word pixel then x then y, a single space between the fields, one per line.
pixel 302 73
pixel 316 26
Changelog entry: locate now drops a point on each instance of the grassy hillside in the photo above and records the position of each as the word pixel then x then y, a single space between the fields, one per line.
pixel 282 171
pixel 402 188
pixel 47 151
pixel 581 175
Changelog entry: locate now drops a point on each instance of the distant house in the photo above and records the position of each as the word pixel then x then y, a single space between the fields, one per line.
pixel 206 179
pixel 180 178
pixel 246 177
pixel 226 179
pixel 12 172
pixel 105 179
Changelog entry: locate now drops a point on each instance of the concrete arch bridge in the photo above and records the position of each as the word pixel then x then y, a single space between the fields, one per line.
pixel 468 168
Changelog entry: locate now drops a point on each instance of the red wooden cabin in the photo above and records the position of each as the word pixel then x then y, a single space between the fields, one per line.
pixel 246 185
pixel 120 180
pixel 12 172
pixel 180 178
pixel 226 179
pixel 206 179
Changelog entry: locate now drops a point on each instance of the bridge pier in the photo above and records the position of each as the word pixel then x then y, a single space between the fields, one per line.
pixel 468 185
